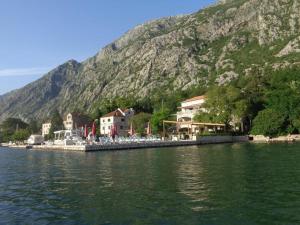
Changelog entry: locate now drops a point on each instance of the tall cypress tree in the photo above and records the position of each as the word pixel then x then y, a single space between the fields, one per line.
pixel 56 123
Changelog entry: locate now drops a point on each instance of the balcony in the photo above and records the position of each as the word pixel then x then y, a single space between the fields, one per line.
pixel 186 115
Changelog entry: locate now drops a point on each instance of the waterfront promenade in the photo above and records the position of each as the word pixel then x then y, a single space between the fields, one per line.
pixel 138 145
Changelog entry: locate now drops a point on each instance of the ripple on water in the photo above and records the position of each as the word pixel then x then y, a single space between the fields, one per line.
pixel 217 184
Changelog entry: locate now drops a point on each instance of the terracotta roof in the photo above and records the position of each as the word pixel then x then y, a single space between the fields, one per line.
pixel 116 113
pixel 124 110
pixel 195 98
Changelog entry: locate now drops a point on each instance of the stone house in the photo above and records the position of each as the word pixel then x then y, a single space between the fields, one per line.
pixel 119 118
pixel 74 121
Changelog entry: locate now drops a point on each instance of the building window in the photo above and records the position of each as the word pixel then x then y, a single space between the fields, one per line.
pixel 108 127
pixel 103 128
pixel 108 120
pixel 121 127
pixel 103 121
pixel 123 120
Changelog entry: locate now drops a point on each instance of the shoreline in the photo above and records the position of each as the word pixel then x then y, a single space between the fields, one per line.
pixel 205 140
pixel 280 139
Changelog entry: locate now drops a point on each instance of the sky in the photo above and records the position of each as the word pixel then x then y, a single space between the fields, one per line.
pixel 38 35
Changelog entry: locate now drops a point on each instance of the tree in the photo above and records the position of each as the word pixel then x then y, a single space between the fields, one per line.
pixel 268 122
pixel 240 111
pixel 34 127
pixel 13 124
pixel 139 122
pixel 219 104
pixel 10 126
pixel 56 123
pixel 21 135
pixel 157 119
pixel 283 95
pixel 96 114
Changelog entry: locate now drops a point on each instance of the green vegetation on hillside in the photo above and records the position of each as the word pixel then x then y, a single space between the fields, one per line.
pixel 268 105
pixel 13 129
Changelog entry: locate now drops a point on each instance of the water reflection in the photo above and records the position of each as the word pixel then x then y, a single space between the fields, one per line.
pixel 191 179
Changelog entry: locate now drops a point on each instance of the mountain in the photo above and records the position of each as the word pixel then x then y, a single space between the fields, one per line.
pixel 219 44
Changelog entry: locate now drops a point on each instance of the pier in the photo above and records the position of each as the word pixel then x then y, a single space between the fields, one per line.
pixel 138 145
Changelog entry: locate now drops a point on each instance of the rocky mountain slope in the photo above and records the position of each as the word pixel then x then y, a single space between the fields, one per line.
pixel 216 45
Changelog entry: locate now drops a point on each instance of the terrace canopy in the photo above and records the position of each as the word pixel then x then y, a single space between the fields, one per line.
pixel 190 127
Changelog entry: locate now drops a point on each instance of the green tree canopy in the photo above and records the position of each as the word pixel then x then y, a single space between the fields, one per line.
pixel 268 122
pixel 9 127
pixel 21 135
pixel 139 122
pixel 56 123
pixel 157 119
pixel 223 104
pixel 13 124
pixel 34 127
pixel 283 95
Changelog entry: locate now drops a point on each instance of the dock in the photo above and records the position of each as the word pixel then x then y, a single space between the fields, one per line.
pixel 138 145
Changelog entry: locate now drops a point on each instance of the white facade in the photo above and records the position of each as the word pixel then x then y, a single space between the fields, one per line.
pixel 119 118
pixel 105 125
pixel 46 129
pixel 68 123
pixel 189 108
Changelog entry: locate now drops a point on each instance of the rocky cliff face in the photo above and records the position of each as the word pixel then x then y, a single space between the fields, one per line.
pixel 216 45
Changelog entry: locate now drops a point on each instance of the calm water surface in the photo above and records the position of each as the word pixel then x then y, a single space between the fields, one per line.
pixel 216 184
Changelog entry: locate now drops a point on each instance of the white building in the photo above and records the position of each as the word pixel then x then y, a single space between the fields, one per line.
pixel 189 108
pixel 119 118
pixel 186 126
pixel 46 128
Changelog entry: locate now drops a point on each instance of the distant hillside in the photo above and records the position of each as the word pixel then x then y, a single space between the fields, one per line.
pixel 216 45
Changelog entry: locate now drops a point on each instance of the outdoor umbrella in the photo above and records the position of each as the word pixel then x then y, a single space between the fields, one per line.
pixel 131 130
pixel 86 132
pixel 149 131
pixel 94 129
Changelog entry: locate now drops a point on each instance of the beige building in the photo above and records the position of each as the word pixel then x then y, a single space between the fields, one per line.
pixel 119 118
pixel 46 128
pixel 189 108
pixel 185 127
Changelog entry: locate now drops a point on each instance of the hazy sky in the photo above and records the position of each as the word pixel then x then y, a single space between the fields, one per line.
pixel 38 35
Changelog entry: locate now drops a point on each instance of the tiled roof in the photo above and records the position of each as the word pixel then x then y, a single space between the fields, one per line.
pixel 116 113
pixel 195 98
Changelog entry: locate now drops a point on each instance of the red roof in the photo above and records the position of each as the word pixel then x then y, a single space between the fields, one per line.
pixel 125 110
pixel 116 113
pixel 195 98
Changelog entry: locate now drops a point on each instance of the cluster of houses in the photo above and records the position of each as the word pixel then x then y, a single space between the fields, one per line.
pixel 74 121
pixel 120 119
